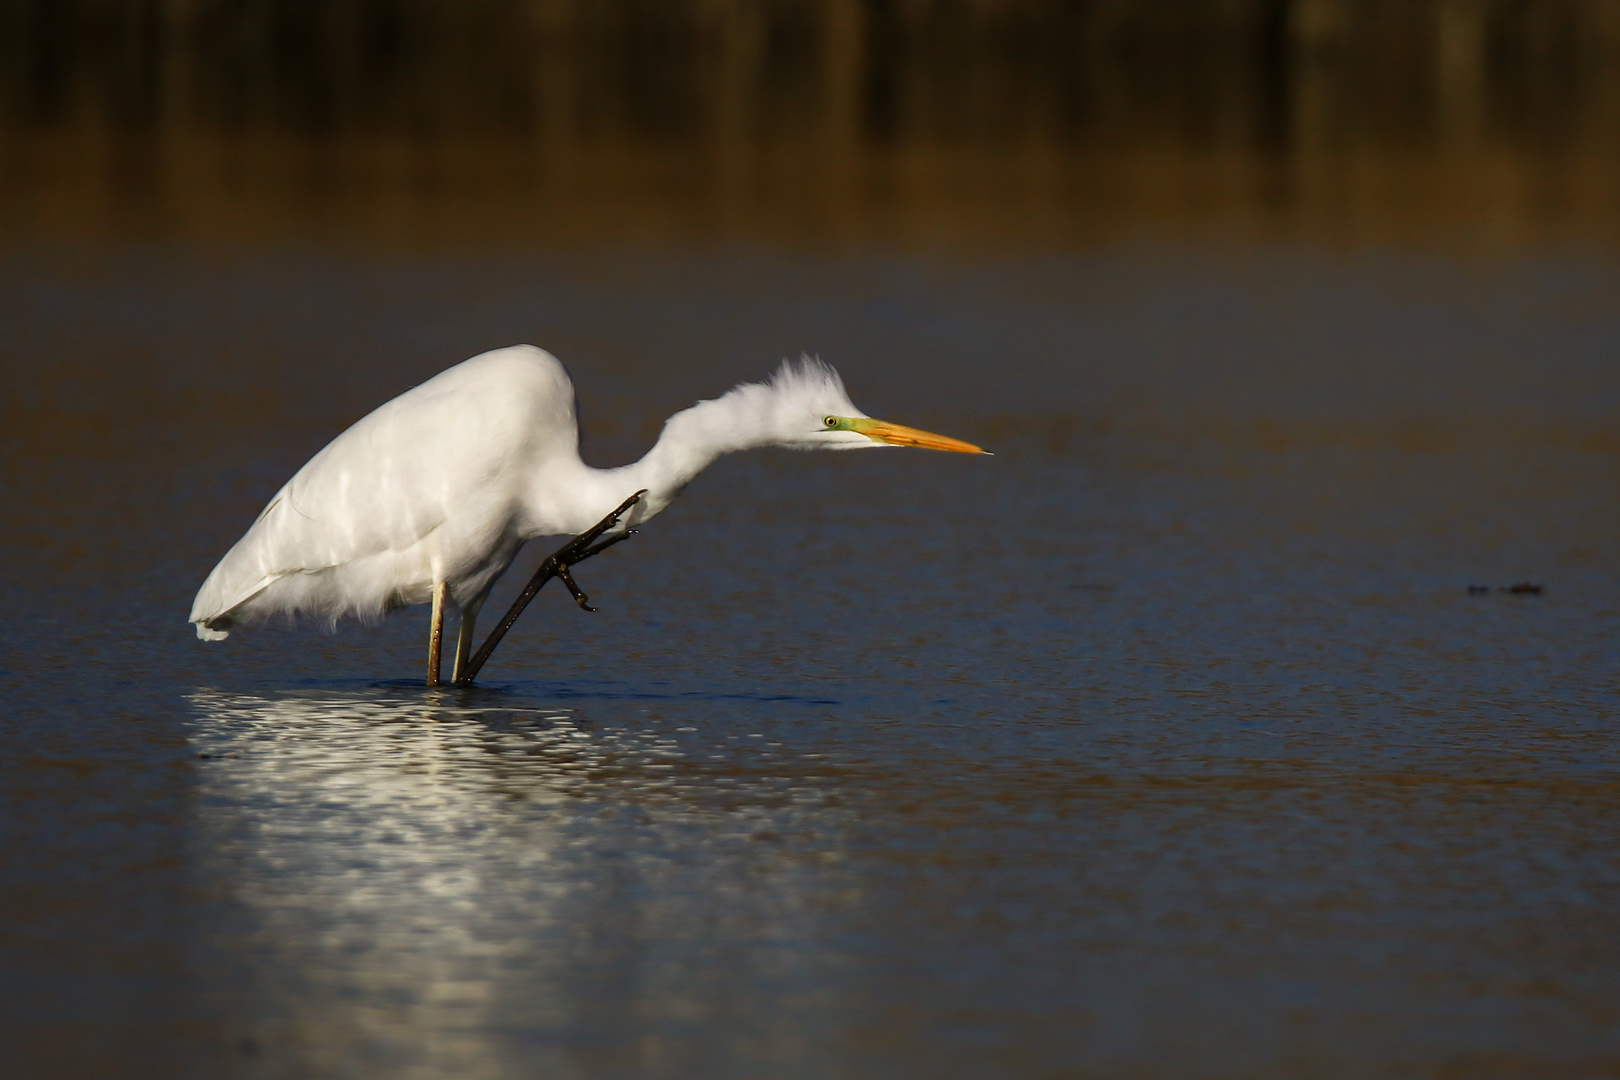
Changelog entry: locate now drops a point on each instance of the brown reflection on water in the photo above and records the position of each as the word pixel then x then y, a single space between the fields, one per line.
pixel 1448 121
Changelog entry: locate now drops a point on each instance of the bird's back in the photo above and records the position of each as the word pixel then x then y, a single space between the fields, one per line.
pixel 429 480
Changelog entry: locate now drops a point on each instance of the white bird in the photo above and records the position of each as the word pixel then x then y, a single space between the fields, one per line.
pixel 430 497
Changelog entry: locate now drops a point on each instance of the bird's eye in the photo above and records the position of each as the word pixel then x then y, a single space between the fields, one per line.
pixel 832 421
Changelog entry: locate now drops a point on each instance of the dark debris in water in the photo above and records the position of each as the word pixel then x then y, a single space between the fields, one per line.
pixel 1523 588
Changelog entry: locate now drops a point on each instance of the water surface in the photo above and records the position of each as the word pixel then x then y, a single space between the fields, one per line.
pixel 1167 742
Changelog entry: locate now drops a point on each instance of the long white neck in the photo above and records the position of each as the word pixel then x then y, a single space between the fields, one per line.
pixel 691 440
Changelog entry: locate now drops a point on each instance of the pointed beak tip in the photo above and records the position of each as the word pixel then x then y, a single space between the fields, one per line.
pixel 899 435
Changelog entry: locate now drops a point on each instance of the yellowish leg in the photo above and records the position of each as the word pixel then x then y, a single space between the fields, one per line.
pixel 436 634
pixel 464 641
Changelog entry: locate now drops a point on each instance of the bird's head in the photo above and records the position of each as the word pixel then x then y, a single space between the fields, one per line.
pixel 808 409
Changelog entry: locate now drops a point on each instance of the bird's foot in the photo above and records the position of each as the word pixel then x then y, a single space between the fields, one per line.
pixel 556 565
pixel 587 544
pixel 584 545
pixel 578 594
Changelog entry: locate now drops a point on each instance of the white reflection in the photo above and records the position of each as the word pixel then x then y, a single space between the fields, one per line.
pixel 359 833
pixel 425 889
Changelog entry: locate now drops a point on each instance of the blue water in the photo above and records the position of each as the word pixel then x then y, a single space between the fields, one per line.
pixel 1169 742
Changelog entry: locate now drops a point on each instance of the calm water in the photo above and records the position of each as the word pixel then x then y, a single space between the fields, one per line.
pixel 1168 742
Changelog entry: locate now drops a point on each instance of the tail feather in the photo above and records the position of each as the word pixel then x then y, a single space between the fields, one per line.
pixel 208 634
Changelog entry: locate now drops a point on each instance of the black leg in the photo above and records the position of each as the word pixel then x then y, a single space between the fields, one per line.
pixel 555 565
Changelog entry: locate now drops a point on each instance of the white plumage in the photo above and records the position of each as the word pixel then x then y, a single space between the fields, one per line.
pixel 445 483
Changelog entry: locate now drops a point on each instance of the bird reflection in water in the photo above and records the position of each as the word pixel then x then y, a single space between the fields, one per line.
pixel 414 880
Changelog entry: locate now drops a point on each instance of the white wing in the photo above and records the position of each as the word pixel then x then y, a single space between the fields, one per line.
pixel 450 454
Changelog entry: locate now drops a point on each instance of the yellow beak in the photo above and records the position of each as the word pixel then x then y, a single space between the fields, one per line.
pixel 896 435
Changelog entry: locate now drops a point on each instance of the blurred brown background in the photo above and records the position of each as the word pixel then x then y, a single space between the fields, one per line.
pixel 1471 124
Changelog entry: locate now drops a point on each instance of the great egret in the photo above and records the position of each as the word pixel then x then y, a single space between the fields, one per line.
pixel 429 497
